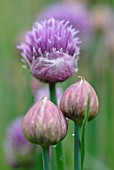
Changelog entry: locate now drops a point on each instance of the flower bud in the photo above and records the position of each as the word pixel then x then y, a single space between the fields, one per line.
pixel 75 100
pixel 44 123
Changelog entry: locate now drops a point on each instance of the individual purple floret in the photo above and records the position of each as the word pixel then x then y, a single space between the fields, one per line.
pixel 51 50
pixel 18 151
pixel 76 13
pixel 45 92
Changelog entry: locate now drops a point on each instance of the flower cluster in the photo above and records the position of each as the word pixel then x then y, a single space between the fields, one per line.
pixel 51 50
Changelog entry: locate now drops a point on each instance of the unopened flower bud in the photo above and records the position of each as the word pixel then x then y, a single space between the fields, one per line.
pixel 75 100
pixel 44 123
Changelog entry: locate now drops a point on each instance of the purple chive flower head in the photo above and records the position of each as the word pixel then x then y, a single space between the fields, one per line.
pixel 51 50
pixel 44 123
pixel 76 13
pixel 75 99
pixel 18 150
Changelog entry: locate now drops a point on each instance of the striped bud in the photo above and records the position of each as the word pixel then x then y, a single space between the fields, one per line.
pixel 44 124
pixel 75 99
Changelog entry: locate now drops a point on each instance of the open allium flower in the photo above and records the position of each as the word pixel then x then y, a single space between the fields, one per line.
pixel 51 50
pixel 75 100
pixel 44 123
pixel 75 13
pixel 18 150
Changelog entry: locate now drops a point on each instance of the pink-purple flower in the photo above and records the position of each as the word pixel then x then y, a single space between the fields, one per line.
pixel 51 50
pixel 18 150
pixel 76 13
pixel 44 124
pixel 74 101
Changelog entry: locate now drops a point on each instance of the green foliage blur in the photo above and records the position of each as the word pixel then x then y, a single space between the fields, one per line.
pixel 97 66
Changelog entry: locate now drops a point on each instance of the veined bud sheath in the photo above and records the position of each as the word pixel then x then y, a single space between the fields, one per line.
pixel 44 124
pixel 75 100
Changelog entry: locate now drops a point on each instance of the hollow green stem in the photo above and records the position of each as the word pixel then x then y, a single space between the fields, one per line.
pixel 46 160
pixel 59 154
pixel 52 89
pixel 77 147
pixel 84 124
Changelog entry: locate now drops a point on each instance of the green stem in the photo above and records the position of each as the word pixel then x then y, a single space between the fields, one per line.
pixel 46 160
pixel 58 159
pixel 77 147
pixel 52 89
pixel 83 128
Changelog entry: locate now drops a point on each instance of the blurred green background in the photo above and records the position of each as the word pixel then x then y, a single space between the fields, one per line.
pixel 96 65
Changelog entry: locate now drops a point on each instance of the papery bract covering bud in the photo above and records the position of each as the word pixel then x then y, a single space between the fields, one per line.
pixel 44 124
pixel 75 100
pixel 51 50
pixel 18 151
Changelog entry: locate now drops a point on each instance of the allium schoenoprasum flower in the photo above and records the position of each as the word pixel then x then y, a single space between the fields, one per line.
pixel 44 123
pixel 77 15
pixel 51 50
pixel 75 99
pixel 18 151
pixel 45 92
